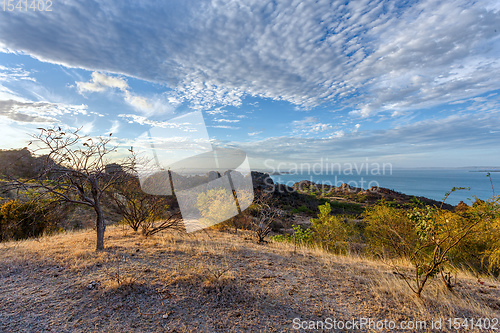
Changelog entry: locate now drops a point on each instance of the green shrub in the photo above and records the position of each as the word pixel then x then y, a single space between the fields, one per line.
pixel 481 250
pixel 389 231
pixel 345 207
pixel 302 235
pixel 301 209
pixel 434 240
pixel 334 233
pixel 20 220
pixel 362 198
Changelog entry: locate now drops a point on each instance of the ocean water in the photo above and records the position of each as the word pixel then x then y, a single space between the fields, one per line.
pixel 430 183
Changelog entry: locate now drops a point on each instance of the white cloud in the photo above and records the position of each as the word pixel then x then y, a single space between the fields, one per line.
pixel 138 102
pixel 15 74
pixel 115 126
pixel 38 112
pixel 224 126
pixel 227 120
pixel 141 120
pixel 373 56
pixel 86 128
pixel 8 94
pixel 310 125
pixel 100 83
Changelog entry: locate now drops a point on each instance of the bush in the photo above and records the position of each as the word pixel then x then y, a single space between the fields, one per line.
pixel 301 209
pixel 343 207
pixel 389 231
pixel 299 235
pixel 20 220
pixel 432 239
pixel 481 251
pixel 140 210
pixel 334 233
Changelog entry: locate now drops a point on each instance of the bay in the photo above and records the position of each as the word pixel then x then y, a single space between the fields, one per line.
pixel 430 183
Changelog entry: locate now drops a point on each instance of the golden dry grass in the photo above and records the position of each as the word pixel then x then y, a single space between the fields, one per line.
pixel 208 282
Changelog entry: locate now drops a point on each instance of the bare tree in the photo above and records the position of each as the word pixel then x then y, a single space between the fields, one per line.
pixel 74 171
pixel 172 220
pixel 267 214
pixel 138 209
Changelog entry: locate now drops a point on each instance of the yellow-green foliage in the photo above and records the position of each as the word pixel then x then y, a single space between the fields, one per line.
pixel 216 205
pixel 389 230
pixel 20 220
pixel 471 236
pixel 334 233
pixel 482 249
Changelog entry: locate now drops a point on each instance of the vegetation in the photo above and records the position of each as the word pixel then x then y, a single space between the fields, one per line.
pixel 435 241
pixel 150 213
pixel 334 233
pixel 215 206
pixel 20 220
pixel 268 212
pixel 74 171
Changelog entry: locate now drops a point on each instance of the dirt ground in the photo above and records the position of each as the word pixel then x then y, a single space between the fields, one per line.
pixel 212 281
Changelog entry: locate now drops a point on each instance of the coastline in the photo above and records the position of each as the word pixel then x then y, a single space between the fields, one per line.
pixel 432 184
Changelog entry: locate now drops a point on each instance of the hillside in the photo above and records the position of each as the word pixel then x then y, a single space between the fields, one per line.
pixel 208 282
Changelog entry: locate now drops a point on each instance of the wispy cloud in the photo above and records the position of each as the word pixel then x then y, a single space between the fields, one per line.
pixel 141 120
pixel 114 127
pixel 255 133
pixel 221 120
pixel 224 127
pixel 37 112
pixel 310 125
pixel 466 133
pixel 100 83
pixel 15 74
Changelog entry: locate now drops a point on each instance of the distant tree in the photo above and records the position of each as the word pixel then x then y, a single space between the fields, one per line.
pixel 74 171
pixel 267 213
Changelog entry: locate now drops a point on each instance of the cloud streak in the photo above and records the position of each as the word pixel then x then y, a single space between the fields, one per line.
pixel 37 112
pixel 457 132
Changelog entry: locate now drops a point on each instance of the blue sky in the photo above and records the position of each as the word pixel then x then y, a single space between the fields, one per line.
pixel 412 83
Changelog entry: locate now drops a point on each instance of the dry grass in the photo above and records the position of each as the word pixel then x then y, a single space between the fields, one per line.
pixel 207 282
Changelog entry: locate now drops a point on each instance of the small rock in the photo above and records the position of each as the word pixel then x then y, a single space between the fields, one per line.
pixel 93 285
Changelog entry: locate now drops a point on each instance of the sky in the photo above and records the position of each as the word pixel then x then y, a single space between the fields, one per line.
pixel 411 83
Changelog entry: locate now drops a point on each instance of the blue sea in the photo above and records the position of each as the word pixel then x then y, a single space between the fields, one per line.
pixel 430 183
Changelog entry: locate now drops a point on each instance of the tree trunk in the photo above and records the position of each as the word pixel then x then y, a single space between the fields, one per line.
pixel 100 226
